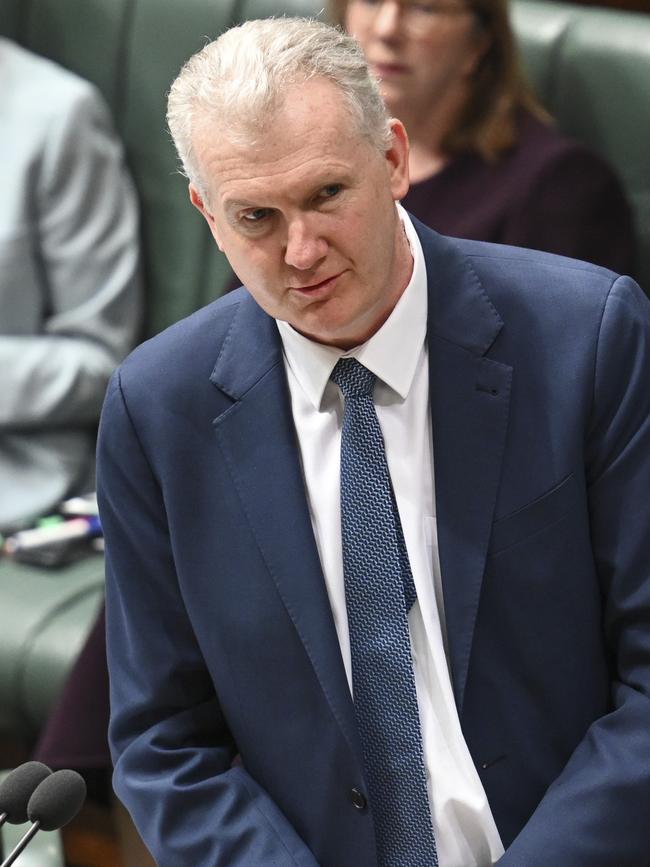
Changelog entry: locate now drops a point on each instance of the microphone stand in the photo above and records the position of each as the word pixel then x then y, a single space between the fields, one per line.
pixel 22 843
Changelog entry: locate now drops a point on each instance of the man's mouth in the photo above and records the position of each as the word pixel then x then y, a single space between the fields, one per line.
pixel 313 288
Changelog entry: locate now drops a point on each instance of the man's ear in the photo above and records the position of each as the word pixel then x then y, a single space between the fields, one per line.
pixel 197 200
pixel 397 157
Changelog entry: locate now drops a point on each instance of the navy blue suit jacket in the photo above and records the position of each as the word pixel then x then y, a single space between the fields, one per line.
pixel 220 635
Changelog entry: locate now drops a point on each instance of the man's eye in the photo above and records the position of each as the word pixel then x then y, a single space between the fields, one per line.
pixel 256 215
pixel 330 191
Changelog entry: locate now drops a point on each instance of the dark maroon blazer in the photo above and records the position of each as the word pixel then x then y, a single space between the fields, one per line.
pixel 547 193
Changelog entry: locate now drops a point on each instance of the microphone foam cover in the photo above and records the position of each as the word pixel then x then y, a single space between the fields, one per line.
pixel 57 800
pixel 17 788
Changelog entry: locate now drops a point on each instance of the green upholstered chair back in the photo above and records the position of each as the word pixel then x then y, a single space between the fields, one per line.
pixel 591 68
pixel 132 50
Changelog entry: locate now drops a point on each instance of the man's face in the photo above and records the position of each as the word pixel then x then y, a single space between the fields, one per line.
pixel 307 217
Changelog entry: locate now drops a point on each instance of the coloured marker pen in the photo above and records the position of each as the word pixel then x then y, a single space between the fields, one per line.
pixel 76 528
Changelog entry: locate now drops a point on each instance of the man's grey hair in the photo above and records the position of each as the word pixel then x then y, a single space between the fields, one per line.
pixel 241 78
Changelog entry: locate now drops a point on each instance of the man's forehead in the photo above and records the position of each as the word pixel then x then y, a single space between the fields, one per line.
pixel 247 182
pixel 313 106
pixel 307 139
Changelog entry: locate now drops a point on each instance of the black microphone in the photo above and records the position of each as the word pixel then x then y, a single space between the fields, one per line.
pixel 17 788
pixel 54 802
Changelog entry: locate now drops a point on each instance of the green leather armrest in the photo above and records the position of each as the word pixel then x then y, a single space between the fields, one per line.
pixel 45 617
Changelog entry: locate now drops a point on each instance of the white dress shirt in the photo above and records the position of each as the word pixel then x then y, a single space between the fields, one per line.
pixel 466 835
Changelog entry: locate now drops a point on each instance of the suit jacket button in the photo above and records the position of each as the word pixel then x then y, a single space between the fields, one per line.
pixel 358 799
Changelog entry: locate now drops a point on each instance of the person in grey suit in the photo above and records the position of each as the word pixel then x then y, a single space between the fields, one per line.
pixel 70 298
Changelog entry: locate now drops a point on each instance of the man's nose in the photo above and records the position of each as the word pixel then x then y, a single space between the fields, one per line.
pixel 386 22
pixel 305 246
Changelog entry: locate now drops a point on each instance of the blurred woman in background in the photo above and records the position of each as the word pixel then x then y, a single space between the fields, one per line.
pixel 486 162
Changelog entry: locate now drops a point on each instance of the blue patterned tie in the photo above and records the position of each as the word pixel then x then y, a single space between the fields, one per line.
pixel 379 592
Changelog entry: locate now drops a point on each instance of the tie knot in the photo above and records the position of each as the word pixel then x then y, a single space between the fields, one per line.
pixel 353 378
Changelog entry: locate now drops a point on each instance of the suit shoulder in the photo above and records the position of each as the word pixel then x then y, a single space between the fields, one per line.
pixel 519 273
pixel 189 347
pixel 547 301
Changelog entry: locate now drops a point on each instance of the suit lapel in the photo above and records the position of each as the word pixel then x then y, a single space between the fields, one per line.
pixel 470 395
pixel 469 407
pixel 257 438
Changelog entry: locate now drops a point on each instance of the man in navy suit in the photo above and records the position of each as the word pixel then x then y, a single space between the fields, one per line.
pixel 511 391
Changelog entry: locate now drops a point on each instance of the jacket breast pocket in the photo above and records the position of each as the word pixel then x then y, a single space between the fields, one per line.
pixel 541 513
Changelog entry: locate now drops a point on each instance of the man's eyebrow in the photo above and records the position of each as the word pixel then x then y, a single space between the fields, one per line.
pixel 230 205
pixel 234 204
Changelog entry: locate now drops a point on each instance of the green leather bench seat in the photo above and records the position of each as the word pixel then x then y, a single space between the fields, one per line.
pixel 590 66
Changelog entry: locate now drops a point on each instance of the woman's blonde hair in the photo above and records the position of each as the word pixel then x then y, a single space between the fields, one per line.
pixel 488 122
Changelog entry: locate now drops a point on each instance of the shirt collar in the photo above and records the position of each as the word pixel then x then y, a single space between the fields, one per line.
pixel 391 354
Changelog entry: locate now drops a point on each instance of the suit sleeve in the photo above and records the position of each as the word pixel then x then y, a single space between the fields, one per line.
pixel 574 206
pixel 170 742
pixel 86 254
pixel 596 811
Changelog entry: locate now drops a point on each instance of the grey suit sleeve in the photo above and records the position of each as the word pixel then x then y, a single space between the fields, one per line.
pixel 84 252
